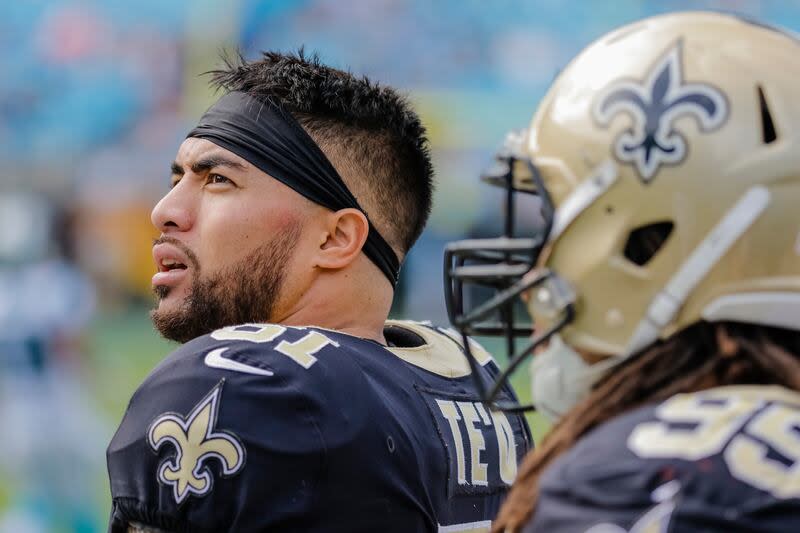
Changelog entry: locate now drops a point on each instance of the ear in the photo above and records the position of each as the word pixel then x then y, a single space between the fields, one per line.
pixel 344 236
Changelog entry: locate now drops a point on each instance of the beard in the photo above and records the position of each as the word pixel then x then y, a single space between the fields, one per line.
pixel 246 291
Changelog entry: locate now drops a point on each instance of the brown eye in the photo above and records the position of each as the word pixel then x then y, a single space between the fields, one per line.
pixel 218 179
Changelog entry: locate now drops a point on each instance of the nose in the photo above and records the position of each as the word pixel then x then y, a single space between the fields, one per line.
pixel 174 211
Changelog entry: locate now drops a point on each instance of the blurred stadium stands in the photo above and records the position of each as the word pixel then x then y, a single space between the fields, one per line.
pixel 96 96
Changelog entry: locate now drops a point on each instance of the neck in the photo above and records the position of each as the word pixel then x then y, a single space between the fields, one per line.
pixel 349 304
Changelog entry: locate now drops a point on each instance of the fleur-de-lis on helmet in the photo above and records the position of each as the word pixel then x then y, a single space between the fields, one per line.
pixel 654 105
pixel 195 442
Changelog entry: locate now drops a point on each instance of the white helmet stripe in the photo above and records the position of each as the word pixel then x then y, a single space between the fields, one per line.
pixel 667 303
pixel 584 195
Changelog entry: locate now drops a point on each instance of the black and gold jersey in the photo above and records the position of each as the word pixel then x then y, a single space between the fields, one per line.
pixel 721 460
pixel 262 427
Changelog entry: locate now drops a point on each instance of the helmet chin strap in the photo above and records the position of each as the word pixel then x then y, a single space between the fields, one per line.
pixel 668 302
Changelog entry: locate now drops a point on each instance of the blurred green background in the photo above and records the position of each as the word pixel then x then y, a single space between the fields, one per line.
pixel 95 98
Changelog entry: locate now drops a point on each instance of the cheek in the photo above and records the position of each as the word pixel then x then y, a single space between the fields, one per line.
pixel 228 236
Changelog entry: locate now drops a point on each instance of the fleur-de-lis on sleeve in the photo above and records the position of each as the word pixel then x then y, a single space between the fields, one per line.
pixel 195 442
pixel 654 105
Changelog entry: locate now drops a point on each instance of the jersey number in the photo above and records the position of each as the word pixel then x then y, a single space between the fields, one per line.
pixel 740 428
pixel 301 351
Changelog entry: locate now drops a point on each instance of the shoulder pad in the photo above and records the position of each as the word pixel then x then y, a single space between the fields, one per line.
pixel 442 352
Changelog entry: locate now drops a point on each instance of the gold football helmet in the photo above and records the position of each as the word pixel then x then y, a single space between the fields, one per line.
pixel 667 160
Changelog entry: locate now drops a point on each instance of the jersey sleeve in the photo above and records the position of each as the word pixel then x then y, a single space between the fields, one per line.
pixel 227 434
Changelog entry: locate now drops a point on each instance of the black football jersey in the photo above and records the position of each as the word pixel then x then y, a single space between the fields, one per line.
pixel 722 460
pixel 262 427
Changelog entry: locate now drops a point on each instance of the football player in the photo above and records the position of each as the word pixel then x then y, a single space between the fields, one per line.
pixel 665 289
pixel 293 405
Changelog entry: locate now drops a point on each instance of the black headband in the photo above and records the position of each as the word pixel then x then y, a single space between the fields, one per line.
pixel 269 137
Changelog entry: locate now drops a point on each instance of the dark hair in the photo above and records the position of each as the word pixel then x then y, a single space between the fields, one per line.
pixel 369 132
pixel 697 358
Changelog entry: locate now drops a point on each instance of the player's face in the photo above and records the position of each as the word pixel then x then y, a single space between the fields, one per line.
pixel 228 235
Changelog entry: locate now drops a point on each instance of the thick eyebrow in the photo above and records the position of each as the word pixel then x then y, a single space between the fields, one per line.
pixel 207 163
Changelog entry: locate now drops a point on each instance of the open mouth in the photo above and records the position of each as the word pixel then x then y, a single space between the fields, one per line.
pixel 168 265
pixel 172 264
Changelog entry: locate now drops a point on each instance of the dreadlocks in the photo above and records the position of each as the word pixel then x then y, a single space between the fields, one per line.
pixel 700 357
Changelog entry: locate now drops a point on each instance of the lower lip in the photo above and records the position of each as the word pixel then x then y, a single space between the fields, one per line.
pixel 169 278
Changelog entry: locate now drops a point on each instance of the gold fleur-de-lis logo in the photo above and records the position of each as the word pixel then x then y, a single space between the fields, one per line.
pixel 655 105
pixel 195 442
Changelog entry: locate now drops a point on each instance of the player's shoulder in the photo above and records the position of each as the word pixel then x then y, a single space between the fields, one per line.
pixel 285 376
pixel 327 369
pixel 266 363
pixel 689 427
pixel 252 409
pixel 714 416
pixel 265 350
pixel 274 374
pixel 728 452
